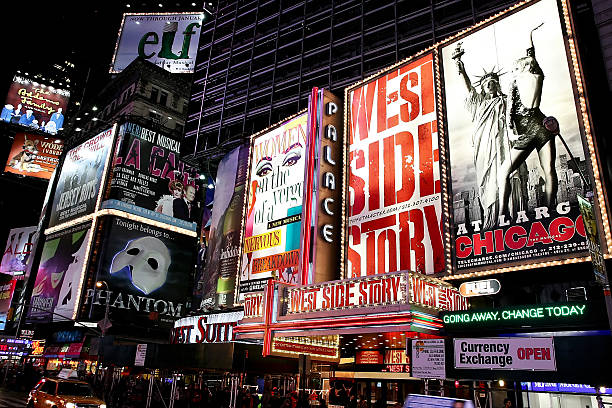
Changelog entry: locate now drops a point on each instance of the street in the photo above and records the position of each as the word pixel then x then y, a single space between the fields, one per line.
pixel 11 399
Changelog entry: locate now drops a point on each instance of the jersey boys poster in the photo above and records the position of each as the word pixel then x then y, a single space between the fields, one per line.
pixel 271 243
pixel 80 179
pixel 33 155
pixel 514 187
pixel 147 270
pixel 150 180
pixel 59 275
pixel 394 212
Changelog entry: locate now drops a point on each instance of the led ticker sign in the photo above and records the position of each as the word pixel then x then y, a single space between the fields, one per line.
pixel 14 347
pixel 554 314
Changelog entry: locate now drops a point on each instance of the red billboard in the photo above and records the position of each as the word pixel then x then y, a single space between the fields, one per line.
pixel 395 204
pixel 35 105
pixel 33 155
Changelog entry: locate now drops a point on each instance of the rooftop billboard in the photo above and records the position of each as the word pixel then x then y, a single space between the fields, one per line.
pixel 169 40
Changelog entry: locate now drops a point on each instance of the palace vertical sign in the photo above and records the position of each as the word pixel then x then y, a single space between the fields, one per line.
pixel 394 181
pixel 323 198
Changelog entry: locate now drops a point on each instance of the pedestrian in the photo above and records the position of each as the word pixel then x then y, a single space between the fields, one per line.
pixel 507 403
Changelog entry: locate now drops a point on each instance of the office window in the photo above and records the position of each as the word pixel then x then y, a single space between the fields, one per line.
pixel 154 94
pixel 155 117
pixel 163 99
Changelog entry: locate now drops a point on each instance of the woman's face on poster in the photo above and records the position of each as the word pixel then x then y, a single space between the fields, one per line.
pixel 270 166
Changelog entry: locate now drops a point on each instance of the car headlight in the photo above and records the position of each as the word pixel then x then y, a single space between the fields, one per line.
pixel 70 405
pixel 102 405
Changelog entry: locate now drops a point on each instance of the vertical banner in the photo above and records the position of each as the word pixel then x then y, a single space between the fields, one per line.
pixel 395 209
pixel 510 105
pixel 590 228
pixel 149 179
pixel 80 178
pixel 34 156
pixel 61 268
pixel 271 244
pixel 7 288
pixel 17 251
pixel 216 281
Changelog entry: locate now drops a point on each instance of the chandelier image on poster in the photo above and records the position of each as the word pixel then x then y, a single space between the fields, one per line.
pixel 517 160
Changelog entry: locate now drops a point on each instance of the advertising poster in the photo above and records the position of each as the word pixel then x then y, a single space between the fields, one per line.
pixel 428 358
pixel 34 156
pixel 7 288
pixel 271 244
pixel 147 270
pixel 149 179
pixel 17 251
pixel 395 210
pixel 35 105
pixel 80 179
pixel 169 40
pixel 590 228
pixel 529 353
pixel 59 275
pixel 216 279
pixel 514 185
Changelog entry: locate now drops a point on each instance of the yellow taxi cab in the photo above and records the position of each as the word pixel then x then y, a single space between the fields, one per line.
pixel 63 393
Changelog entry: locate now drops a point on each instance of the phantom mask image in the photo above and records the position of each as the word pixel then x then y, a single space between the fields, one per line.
pixel 148 260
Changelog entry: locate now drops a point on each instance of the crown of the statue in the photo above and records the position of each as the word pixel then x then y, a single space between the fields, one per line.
pixel 492 74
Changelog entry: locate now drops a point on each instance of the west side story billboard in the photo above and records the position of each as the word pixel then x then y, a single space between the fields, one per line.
pixel 169 40
pixel 394 212
pixel 80 179
pixel 150 180
pixel 271 243
pixel 514 184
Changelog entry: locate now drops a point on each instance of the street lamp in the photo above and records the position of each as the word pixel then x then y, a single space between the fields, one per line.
pixel 102 285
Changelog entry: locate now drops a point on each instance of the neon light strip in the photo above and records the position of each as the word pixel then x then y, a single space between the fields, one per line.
pixel 69 224
pixel 307 202
pixel 123 214
pixel 92 233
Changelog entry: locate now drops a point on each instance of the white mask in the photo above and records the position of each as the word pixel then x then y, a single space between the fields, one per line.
pixel 148 259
